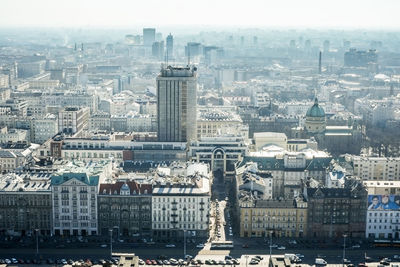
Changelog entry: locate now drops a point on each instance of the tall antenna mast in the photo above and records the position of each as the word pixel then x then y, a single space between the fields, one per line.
pixel 166 58
pixel 188 55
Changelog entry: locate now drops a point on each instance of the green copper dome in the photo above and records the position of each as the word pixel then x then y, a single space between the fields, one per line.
pixel 315 110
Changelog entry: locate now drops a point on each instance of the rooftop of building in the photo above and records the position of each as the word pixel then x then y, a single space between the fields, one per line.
pixel 384 184
pixel 172 72
pixel 182 178
pixel 88 173
pixel 25 182
pixel 316 111
pixel 129 187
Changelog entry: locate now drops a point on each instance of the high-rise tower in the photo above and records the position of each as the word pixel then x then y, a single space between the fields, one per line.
pixel 170 46
pixel 176 104
pixel 149 36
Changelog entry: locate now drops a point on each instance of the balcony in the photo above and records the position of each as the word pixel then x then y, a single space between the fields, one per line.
pixel 201 209
pixel 174 208
pixel 202 203
pixel 174 215
pixel 174 222
pixel 174 203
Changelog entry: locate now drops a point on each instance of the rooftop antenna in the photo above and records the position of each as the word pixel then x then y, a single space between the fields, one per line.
pixel 166 58
pixel 188 55
pixel 320 63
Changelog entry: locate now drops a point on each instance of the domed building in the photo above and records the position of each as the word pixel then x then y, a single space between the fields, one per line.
pixel 315 119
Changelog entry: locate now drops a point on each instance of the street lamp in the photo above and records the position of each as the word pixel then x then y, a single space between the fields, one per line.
pixel 344 247
pixel 270 246
pixel 184 243
pixel 37 242
pixel 111 232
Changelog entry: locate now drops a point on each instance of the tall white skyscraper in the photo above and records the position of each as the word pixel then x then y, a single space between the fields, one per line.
pixel 176 104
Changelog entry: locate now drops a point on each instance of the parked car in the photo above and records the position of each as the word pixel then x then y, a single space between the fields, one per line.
pixel 170 246
pixel 346 261
pixel 319 261
pixel 281 247
pixel 200 245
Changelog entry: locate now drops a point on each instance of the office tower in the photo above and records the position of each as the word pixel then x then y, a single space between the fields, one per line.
pixel 159 37
pixel 193 49
pixel 158 50
pixel 170 46
pixel 149 36
pixel 320 63
pixel 176 104
pixel 326 46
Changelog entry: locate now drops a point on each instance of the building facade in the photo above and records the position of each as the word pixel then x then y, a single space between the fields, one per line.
pixel 383 215
pixel 374 168
pixel 176 104
pixel 25 204
pixel 74 195
pixel 281 218
pixel 181 204
pixel 72 119
pixel 333 212
pixel 125 206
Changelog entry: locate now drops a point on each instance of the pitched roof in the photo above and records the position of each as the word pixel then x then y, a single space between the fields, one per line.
pixel 83 177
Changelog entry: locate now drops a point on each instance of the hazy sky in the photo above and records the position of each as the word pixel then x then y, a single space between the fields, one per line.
pixel 269 13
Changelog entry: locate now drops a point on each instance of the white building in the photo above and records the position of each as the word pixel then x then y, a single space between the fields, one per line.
pixel 383 215
pixel 100 121
pixel 376 168
pixel 13 135
pixel 42 129
pixel 181 202
pixel 269 138
pixel 74 196
pixel 221 153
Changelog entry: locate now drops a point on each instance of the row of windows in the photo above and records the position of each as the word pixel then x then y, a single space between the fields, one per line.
pixel 180 200
pixel 181 226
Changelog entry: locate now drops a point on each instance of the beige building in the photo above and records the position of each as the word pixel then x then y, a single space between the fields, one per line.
pixel 282 218
pixel 214 122
pixel 383 187
pixel 72 120
pixel 269 138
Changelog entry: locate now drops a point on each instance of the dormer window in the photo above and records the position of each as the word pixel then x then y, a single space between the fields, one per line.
pixel 115 192
pixel 104 191
pixel 125 190
pixel 145 191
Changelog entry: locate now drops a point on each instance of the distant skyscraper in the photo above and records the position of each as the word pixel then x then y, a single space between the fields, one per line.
pixel 326 46
pixel 176 104
pixel 159 37
pixel 149 36
pixel 170 46
pixel 158 50
pixel 255 40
